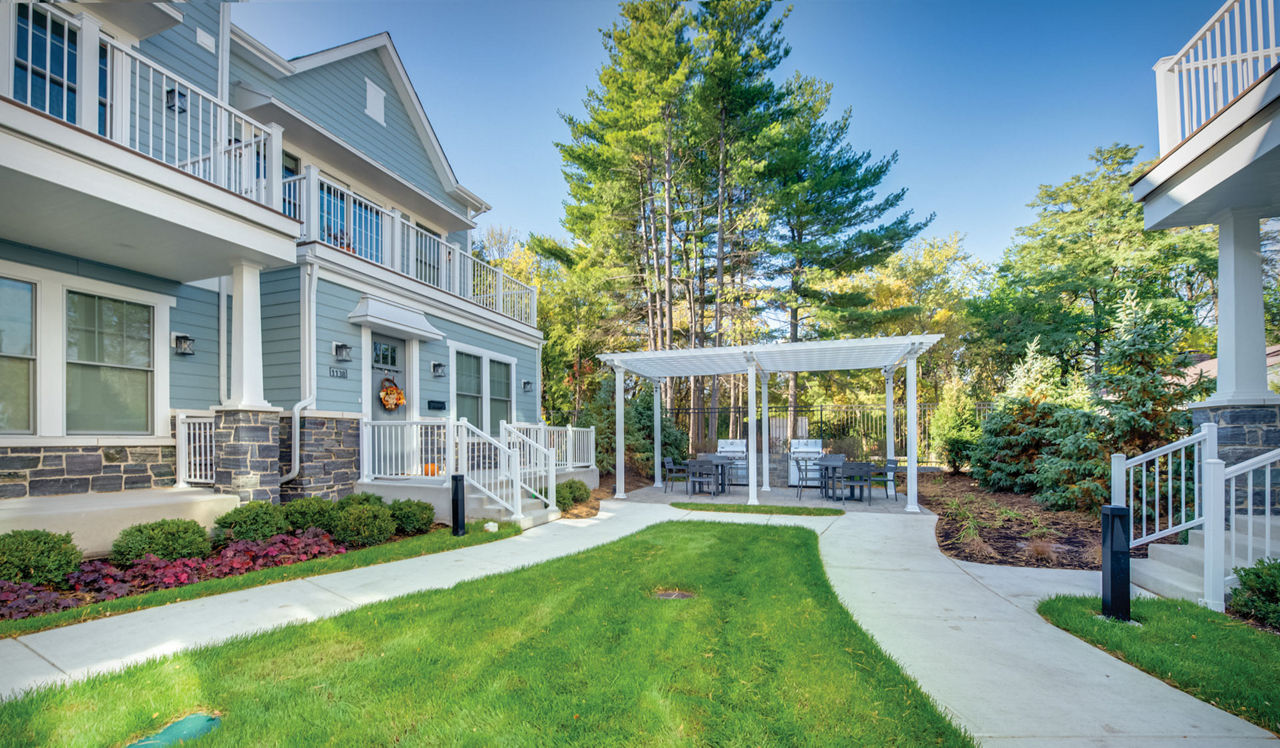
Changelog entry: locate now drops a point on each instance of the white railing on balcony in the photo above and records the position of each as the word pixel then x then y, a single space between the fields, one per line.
pixel 194 439
pixel 536 465
pixel 332 215
pixel 1235 48
pixel 572 447
pixel 1163 488
pixel 65 67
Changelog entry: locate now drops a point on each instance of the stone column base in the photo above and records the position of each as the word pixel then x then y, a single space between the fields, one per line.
pixel 247 454
pixel 1244 431
pixel 329 457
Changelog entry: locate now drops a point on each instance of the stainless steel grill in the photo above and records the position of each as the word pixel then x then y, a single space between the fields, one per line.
pixel 803 449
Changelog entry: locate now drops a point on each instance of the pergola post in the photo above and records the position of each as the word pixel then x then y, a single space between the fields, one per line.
pixel 657 433
pixel 912 457
pixel 752 498
pixel 888 412
pixel 764 428
pixel 619 438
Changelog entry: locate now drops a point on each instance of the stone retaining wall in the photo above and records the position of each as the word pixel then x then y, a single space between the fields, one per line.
pixel 47 471
pixel 330 462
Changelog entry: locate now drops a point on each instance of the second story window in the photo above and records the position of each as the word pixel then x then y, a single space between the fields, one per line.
pixel 290 165
pixel 44 70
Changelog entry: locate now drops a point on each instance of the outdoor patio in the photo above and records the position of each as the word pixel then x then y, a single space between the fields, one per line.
pixel 878 502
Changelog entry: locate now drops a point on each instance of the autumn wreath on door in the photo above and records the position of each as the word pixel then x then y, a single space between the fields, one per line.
pixel 392 397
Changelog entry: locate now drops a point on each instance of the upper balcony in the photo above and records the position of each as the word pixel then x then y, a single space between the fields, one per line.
pixel 334 216
pixel 1219 139
pixel 81 106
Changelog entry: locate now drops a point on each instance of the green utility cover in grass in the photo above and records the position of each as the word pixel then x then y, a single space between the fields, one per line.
pixel 187 728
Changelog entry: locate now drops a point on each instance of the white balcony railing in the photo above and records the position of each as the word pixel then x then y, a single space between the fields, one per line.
pixel 1233 50
pixel 573 447
pixel 66 68
pixel 333 215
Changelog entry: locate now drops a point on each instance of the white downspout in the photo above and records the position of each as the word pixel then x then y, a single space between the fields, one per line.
pixel 307 383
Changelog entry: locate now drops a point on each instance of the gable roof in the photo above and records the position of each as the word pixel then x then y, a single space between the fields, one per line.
pixel 390 57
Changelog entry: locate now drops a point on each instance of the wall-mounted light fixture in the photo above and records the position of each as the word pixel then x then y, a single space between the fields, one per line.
pixel 438 369
pixel 184 345
pixel 526 385
pixel 341 352
pixel 175 101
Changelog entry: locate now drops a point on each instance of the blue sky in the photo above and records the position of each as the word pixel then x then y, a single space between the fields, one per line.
pixel 983 101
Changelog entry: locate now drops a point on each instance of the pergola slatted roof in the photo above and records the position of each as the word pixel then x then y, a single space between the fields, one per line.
pixel 884 353
pixel 822 355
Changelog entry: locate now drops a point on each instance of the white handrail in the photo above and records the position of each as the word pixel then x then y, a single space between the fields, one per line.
pixel 1137 483
pixel 491 467
pixel 537 465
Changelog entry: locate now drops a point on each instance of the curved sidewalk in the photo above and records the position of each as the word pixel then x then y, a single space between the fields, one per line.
pixel 968 633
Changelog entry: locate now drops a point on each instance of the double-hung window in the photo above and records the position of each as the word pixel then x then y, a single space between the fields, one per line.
pixel 17 356
pixel 469 395
pixel 109 365
pixel 499 394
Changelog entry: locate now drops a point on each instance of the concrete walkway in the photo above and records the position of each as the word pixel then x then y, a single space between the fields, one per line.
pixel 968 633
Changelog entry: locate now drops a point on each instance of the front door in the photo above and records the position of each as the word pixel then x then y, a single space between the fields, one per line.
pixel 387 369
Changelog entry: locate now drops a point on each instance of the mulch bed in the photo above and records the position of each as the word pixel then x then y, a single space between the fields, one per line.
pixel 591 507
pixel 1008 529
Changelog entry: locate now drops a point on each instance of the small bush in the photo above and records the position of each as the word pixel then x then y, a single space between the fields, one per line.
pixel 312 511
pixel 571 492
pixel 360 525
pixel 166 538
pixel 37 556
pixel 257 520
pixel 23 600
pixel 954 428
pixel 412 517
pixel 364 497
pixel 1258 596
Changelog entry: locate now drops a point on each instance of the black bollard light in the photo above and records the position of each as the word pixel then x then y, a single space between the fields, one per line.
pixel 1115 562
pixel 459 505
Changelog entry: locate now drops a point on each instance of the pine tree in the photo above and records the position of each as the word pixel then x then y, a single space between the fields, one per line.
pixel 954 428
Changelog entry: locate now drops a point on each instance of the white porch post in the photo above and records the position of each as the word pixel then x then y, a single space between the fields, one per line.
pixel 1167 111
pixel 752 497
pixel 275 175
pixel 888 412
pixel 310 214
pixel 619 466
pixel 87 70
pixel 912 503
pixel 8 30
pixel 764 429
pixel 657 433
pixel 246 338
pixel 1242 364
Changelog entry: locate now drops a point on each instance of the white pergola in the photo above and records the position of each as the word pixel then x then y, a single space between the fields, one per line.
pixel 887 354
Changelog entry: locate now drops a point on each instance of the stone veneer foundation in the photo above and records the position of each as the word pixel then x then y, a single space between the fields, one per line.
pixel 48 471
pixel 247 454
pixel 1244 431
pixel 330 463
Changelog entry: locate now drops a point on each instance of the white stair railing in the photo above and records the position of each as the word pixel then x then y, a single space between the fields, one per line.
pixel 491 467
pixel 400 449
pixel 536 465
pixel 1240 520
pixel 194 450
pixel 582 446
pixel 1163 488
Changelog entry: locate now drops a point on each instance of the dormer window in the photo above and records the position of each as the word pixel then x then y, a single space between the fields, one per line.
pixel 374 101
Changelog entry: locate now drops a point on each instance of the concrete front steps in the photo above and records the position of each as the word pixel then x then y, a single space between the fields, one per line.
pixel 535 512
pixel 439 496
pixel 1177 571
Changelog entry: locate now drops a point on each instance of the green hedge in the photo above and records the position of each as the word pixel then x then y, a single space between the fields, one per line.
pixel 312 511
pixel 412 517
pixel 37 556
pixel 257 520
pixel 361 525
pixel 165 538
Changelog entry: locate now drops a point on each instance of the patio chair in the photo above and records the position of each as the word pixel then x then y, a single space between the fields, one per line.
pixel 828 466
pixel 884 477
pixel 671 471
pixel 853 475
pixel 703 477
pixel 806 471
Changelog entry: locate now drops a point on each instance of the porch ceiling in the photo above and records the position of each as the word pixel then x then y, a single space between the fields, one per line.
pixel 823 355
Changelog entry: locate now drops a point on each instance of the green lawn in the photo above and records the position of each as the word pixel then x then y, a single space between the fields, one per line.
pixel 573 651
pixel 419 545
pixel 1211 656
pixel 807 511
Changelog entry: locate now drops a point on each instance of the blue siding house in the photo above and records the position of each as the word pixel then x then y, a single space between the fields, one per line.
pixel 267 291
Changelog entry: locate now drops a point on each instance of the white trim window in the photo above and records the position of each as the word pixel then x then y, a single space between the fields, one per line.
pixel 98 356
pixel 110 365
pixel 481 386
pixel 17 356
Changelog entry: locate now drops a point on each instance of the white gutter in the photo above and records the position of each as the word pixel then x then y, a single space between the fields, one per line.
pixel 224 395
pixel 307 382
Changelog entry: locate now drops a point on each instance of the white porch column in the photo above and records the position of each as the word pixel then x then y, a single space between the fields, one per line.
pixel 246 338
pixel 752 498
pixel 87 70
pixel 8 29
pixel 657 433
pixel 888 412
pixel 1242 360
pixel 912 503
pixel 619 446
pixel 764 428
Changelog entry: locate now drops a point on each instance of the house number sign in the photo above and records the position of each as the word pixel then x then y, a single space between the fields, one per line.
pixel 335 371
